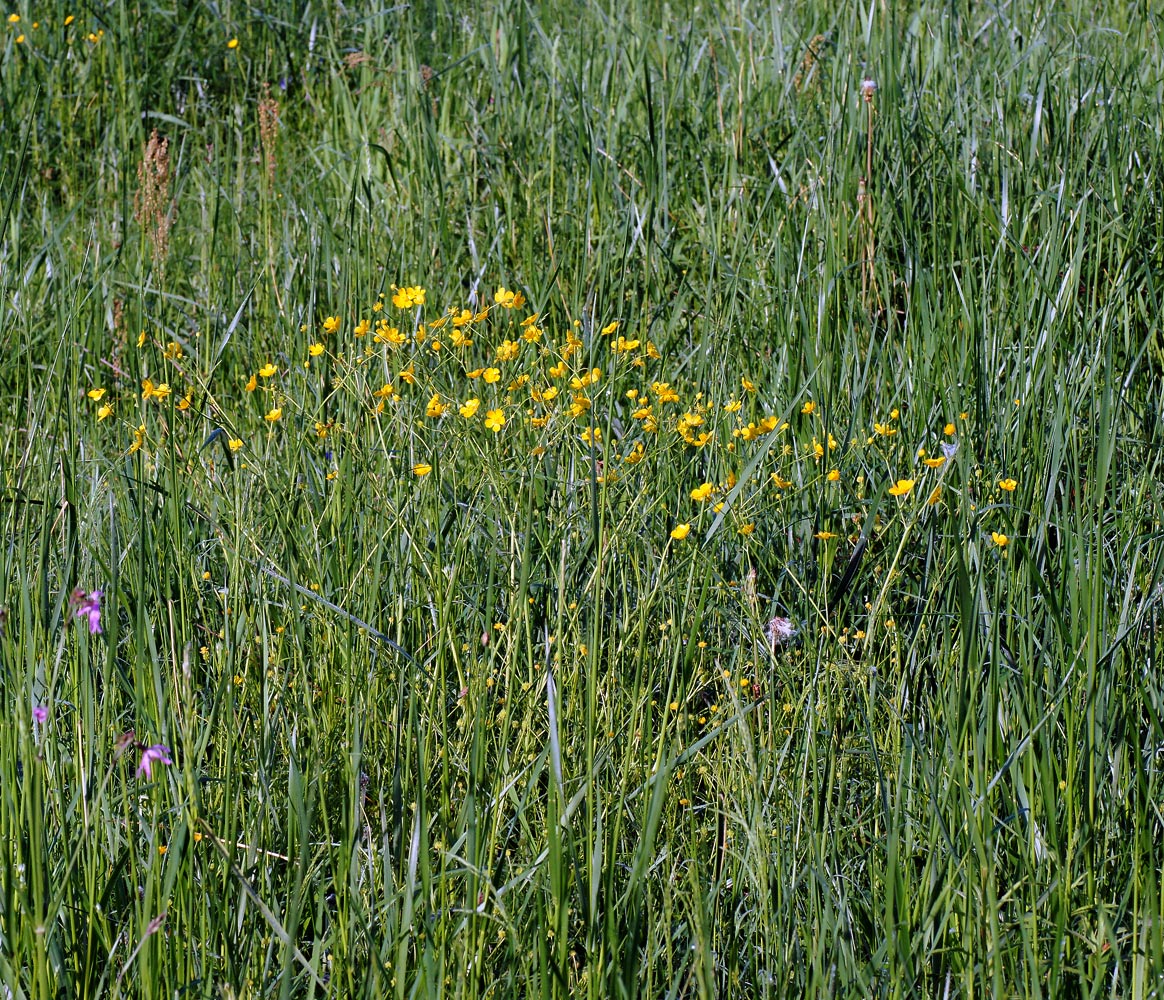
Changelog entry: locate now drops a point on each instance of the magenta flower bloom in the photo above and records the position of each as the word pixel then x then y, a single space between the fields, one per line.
pixel 157 754
pixel 89 607
pixel 40 714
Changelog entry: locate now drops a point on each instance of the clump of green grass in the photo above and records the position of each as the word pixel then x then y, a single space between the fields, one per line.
pixel 582 504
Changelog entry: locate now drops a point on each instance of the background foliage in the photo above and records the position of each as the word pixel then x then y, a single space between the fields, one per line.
pixel 492 730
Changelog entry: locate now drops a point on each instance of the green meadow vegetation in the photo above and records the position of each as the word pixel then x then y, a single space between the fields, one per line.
pixel 581 499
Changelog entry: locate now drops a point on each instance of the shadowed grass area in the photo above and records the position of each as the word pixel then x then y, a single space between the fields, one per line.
pixel 586 500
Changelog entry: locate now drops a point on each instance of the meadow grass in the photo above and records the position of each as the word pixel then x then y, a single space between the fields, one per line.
pixel 489 698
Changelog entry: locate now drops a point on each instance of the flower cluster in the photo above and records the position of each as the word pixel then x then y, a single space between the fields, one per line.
pixel 533 388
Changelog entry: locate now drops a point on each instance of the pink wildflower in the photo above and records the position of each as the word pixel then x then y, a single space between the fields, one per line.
pixel 157 754
pixel 780 630
pixel 39 714
pixel 88 607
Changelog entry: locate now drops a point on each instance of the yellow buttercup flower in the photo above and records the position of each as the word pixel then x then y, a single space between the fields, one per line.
pixel 680 531
pixel 701 493
pixel 151 391
pixel 999 539
pixel 1007 484
pixel 469 408
pixel 274 414
pixel 507 350
pixel 901 487
pixel 491 375
pixel 267 370
pixel 315 350
pixel 138 439
pixel 507 299
pixel 390 335
pixel 95 394
pixel 495 420
pixel 421 469
pixel 407 297
pixel 105 410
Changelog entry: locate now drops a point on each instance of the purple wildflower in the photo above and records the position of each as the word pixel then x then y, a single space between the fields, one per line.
pixel 39 714
pixel 157 754
pixel 88 607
